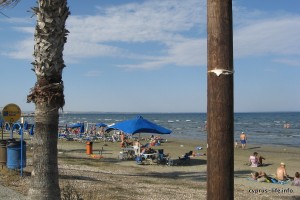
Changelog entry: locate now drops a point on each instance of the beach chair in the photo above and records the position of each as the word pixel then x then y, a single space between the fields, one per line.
pixel 169 161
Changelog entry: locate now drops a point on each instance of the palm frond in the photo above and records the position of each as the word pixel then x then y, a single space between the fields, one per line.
pixel 8 3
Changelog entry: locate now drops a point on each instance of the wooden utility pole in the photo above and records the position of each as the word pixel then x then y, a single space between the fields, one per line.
pixel 220 155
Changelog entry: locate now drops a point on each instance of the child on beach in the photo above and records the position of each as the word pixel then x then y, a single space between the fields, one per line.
pixel 236 144
pixel 297 179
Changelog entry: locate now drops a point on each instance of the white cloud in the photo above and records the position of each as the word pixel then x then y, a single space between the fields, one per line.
pixel 279 36
pixel 14 20
pixel 22 50
pixel 186 53
pixel 177 26
pixel 165 22
pixel 160 21
pixel 76 50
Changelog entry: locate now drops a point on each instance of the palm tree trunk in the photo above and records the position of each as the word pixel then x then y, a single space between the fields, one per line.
pixel 47 94
pixel 44 183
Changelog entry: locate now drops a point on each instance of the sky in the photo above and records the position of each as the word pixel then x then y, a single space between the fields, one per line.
pixel 150 55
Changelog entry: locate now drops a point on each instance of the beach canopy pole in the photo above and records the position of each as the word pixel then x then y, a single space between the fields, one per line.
pixel 220 157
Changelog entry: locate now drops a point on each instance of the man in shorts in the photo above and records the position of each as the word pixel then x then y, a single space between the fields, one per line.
pixel 281 174
pixel 243 139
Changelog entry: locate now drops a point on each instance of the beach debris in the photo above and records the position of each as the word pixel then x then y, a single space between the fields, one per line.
pixel 96 156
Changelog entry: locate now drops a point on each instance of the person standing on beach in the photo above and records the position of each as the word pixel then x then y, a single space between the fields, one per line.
pixel 122 140
pixel 243 139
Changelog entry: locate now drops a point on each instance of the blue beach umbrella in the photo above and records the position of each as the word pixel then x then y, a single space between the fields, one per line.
pixel 7 127
pixel 140 125
pixel 18 127
pixel 77 125
pixel 82 128
pixel 100 125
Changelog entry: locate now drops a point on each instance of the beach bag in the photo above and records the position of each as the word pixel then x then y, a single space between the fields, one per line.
pixel 138 160
pixel 269 180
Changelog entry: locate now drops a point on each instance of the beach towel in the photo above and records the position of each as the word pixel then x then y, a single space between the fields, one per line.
pixel 283 182
pixel 273 180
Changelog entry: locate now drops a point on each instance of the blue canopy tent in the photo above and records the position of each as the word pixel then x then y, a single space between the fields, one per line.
pixel 140 125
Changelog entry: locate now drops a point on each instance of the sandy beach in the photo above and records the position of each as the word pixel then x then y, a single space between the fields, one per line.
pixel 110 178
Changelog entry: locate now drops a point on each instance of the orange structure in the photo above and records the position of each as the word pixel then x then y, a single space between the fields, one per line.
pixel 89 147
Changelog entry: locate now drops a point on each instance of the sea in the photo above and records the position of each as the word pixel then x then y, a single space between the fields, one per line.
pixel 260 128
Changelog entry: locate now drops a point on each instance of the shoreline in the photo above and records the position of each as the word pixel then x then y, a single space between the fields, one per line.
pixel 260 127
pixel 255 144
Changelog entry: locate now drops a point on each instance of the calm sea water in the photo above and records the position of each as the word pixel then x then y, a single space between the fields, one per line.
pixel 261 128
